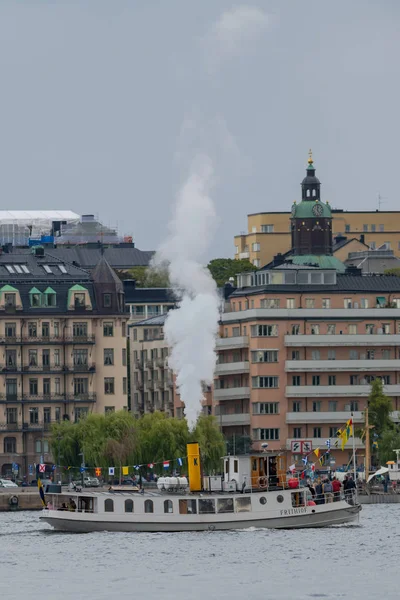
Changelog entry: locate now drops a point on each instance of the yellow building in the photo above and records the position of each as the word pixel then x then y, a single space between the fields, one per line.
pixel 268 233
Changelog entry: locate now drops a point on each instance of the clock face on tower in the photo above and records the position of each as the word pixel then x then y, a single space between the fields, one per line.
pixel 317 210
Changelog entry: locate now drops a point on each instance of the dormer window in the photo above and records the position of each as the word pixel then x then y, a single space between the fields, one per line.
pixel 107 300
pixel 35 297
pixel 79 300
pixel 50 297
pixel 10 300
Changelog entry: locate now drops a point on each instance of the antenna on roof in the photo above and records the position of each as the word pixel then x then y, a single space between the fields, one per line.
pixel 381 200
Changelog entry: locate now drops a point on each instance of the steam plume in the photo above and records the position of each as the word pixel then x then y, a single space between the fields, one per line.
pixel 190 330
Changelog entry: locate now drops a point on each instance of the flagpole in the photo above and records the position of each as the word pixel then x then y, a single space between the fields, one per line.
pixel 354 449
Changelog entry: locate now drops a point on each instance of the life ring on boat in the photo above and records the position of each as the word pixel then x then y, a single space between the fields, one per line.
pixel 13 501
pixel 263 482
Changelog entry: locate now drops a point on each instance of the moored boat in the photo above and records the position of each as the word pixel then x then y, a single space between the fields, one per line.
pixel 199 504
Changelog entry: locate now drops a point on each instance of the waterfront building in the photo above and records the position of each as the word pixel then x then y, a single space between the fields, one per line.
pixel 269 233
pixel 144 303
pixel 302 339
pixel 63 338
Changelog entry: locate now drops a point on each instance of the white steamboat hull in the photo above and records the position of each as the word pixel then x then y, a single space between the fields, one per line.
pixel 81 523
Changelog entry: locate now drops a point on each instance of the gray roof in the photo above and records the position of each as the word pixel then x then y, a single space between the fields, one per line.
pixel 119 257
pixel 159 320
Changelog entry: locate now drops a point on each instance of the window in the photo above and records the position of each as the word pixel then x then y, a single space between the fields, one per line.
pixel 332 405
pixel 270 303
pixel 38 446
pixel 129 506
pixel 326 302
pixel 365 227
pixel 10 445
pixel 235 331
pixel 369 328
pixel 266 408
pixel 264 356
pixel 12 416
pixel 352 329
pixel 316 406
pixel 353 355
pixel 57 386
pixel 370 354
pixel 168 506
pixel 46 386
pixel 364 302
pixel 296 380
pixel 243 504
pixel 80 413
pixel 148 506
pixel 225 505
pixel 108 356
pixel 11 359
pixel 295 354
pixel 32 329
pixel 267 228
pixel 108 329
pixel 81 386
pixel 33 416
pixel 386 328
pixel 109 385
pixel 297 432
pixel 46 329
pixel 79 329
pixel 373 228
pixel 332 380
pixel 331 354
pixel 46 358
pixel 107 300
pixel 9 300
pixel 266 434
pixel 354 406
pixel 315 355
pixel 290 303
pixel 347 228
pixel 265 382
pixel 315 379
pixel 331 329
pixel 109 409
pixel 296 406
pixel 353 379
pixel 9 268
pixel 124 386
pixel 332 432
pixel 79 299
pixel 47 415
pixel 236 249
pixel 315 329
pixel 57 357
pixel 187 507
pixel 124 357
pixel 33 387
pixel 347 303
pixel 264 330
pixel 25 269
pixel 317 432
pixel 310 302
pixel 109 505
pixel 385 354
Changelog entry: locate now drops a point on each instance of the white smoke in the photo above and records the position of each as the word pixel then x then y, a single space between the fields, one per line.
pixel 191 329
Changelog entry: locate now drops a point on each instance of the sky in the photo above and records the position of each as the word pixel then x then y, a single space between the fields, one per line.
pixel 105 104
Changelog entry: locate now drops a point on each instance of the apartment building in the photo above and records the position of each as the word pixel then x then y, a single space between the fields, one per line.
pixel 145 303
pixel 269 233
pixel 63 333
pixel 302 339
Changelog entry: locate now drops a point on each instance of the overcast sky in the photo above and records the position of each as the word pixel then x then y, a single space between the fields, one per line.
pixel 104 103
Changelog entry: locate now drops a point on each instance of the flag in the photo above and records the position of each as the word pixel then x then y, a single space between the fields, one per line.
pixel 97 471
pixel 349 428
pixel 111 470
pixel 312 467
pixel 302 476
pixel 292 468
pixel 180 462
pixel 136 467
pixel 305 460
pixel 150 465
pixel 42 468
pixel 125 470
pixel 166 464
pixel 316 452
pixel 41 492
pixel 328 444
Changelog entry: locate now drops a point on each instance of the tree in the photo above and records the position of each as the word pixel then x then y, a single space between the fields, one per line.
pixel 222 269
pixel 152 277
pixel 380 407
pixel 212 444
pixel 389 441
pixel 394 271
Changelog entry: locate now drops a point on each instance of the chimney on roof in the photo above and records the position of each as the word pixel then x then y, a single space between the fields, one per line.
pixel 353 270
pixel 362 238
pixel 278 259
pixel 87 218
pixel 340 238
pixel 130 284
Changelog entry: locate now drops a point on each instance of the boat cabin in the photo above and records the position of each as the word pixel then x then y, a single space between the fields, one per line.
pixel 262 470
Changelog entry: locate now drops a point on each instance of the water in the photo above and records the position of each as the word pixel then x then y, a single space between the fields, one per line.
pixel 358 561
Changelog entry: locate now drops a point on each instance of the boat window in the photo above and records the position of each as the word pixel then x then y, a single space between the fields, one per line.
pixel 168 508
pixel 128 505
pixel 263 500
pixel 298 499
pixel 109 505
pixel 206 506
pixel 225 505
pixel 187 507
pixel 243 504
pixel 235 466
pixel 148 506
pixel 280 498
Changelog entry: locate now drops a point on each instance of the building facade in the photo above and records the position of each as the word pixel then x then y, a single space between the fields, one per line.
pixel 63 333
pixel 269 233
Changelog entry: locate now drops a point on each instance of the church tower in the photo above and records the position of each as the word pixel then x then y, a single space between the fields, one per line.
pixel 311 222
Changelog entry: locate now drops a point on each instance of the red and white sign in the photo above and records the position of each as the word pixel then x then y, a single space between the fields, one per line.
pixel 306 446
pixel 296 446
pixel 42 468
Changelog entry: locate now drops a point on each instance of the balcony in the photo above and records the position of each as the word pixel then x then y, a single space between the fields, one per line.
pixel 366 340
pixel 233 419
pixel 10 398
pixel 38 369
pixel 231 393
pixel 81 398
pixel 320 443
pixel 243 255
pixel 11 427
pixel 231 343
pixel 331 366
pixel 232 368
pixel 315 314
pixel 47 339
pixel 80 339
pixel 43 398
pixel 336 391
pixel 88 368
pixel 323 417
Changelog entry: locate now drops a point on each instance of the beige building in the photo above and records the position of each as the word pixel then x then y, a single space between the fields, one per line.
pixel 63 334
pixel 269 233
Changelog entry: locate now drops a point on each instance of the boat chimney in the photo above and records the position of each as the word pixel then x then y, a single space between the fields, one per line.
pixel 194 471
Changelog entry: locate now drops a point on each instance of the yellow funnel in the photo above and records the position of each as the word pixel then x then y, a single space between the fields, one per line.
pixel 193 454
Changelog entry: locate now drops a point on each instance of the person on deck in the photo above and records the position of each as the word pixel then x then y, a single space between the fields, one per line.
pixel 319 497
pixel 336 486
pixel 328 491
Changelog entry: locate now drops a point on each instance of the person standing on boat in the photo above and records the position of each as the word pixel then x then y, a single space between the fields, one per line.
pixel 336 485
pixel 319 495
pixel 328 491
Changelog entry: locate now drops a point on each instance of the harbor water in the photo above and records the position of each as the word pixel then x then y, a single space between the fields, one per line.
pixel 357 561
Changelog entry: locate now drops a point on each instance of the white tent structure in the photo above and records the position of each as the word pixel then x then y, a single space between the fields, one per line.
pixel 380 471
pixel 17 226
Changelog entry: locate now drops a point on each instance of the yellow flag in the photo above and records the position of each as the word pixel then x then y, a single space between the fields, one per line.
pixel 344 437
pixel 125 470
pixel 316 452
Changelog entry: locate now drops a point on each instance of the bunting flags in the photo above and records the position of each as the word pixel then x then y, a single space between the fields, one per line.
pixel 97 471
pixel 316 452
pixel 150 465
pixel 292 468
pixel 41 492
pixel 305 460
pixel 180 462
pixel 166 464
pixel 125 470
pixel 328 444
pixel 111 470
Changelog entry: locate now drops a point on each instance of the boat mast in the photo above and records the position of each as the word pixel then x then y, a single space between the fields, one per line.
pixel 367 458
pixel 354 449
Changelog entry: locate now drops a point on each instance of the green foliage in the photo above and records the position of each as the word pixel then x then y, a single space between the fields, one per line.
pixel 222 269
pixel 394 271
pixel 146 276
pixel 380 407
pixel 389 441
pixel 212 443
pixel 239 444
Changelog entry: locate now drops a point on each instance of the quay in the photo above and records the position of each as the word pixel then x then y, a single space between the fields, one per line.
pixel 379 498
pixel 19 499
